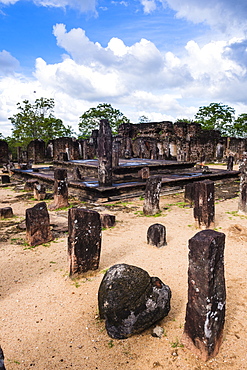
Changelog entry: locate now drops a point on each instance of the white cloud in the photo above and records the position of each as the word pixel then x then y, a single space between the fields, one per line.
pixel 8 64
pixel 148 6
pixel 137 79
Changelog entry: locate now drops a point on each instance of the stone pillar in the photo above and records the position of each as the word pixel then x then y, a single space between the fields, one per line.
pixel 205 312
pixel 115 154
pixel 204 203
pixel 38 225
pixel 156 235
pixel 6 212
pixel 60 189
pixel 152 195
pixel 189 193
pixel 242 204
pixel 5 179
pixel 144 173
pixel 107 220
pixel 105 154
pixel 39 191
pixel 230 161
pixel 84 241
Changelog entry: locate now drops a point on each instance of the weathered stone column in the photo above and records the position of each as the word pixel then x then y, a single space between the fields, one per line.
pixel 39 191
pixel 204 203
pixel 60 189
pixel 105 154
pixel 242 204
pixel 230 161
pixel 84 241
pixel 152 195
pixel 144 173
pixel 115 153
pixel 38 225
pixel 5 179
pixel 189 193
pixel 6 212
pixel 205 312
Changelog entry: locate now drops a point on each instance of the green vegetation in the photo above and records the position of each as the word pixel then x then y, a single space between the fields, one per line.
pixel 176 344
pixel 91 118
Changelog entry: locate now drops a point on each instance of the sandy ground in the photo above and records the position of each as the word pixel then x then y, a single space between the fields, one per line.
pixel 49 321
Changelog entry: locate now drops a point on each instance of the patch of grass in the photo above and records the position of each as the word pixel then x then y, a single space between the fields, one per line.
pixel 64 208
pixel 176 344
pixel 110 343
pixel 52 262
pixel 141 214
pixel 104 271
pixel 141 198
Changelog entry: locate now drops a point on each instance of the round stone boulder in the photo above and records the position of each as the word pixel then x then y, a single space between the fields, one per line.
pixel 130 301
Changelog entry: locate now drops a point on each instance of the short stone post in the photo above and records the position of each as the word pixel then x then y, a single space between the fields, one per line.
pixel 5 179
pixel 2 367
pixel 6 212
pixel 152 195
pixel 144 173
pixel 230 161
pixel 205 312
pixel 242 204
pixel 105 154
pixel 156 235
pixel 60 189
pixel 29 184
pixel 107 220
pixel 204 203
pixel 38 225
pixel 39 191
pixel 84 241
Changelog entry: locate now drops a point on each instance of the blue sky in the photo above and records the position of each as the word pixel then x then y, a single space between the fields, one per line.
pixel 162 59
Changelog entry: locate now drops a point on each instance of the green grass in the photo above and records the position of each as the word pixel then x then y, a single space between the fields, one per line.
pixel 176 344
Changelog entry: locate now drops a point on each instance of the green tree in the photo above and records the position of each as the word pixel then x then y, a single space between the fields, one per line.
pixel 216 116
pixel 143 119
pixel 239 128
pixel 91 118
pixel 185 120
pixel 36 121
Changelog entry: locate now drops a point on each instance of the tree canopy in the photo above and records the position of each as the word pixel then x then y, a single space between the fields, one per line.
pixel 36 121
pixel 91 118
pixel 216 116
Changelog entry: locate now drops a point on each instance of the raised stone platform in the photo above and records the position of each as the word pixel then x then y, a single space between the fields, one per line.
pixel 126 183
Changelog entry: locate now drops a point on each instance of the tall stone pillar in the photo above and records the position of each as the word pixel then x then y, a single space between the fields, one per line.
pixel 242 204
pixel 204 203
pixel 105 154
pixel 205 312
pixel 84 241
pixel 152 195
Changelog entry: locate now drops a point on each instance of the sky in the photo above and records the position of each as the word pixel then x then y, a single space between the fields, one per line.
pixel 159 58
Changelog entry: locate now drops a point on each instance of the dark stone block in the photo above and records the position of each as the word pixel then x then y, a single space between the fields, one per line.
pixel 152 194
pixel 105 154
pixel 29 185
pixel 39 191
pixel 5 179
pixel 189 193
pixel 230 162
pixel 144 173
pixel 107 220
pixel 61 192
pixel 6 212
pixel 84 241
pixel 156 235
pixel 131 301
pixel 205 312
pixel 38 225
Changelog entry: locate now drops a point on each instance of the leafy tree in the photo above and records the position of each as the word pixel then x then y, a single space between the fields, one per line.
pixel 143 119
pixel 216 116
pixel 186 120
pixel 91 118
pixel 36 121
pixel 239 128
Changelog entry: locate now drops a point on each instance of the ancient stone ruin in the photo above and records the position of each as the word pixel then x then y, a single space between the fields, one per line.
pixel 84 241
pixel 38 229
pixel 6 212
pixel 107 220
pixel 130 301
pixel 205 312
pixel 242 204
pixel 105 154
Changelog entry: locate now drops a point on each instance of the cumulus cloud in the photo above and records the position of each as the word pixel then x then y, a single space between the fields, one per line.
pixel 8 64
pixel 148 6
